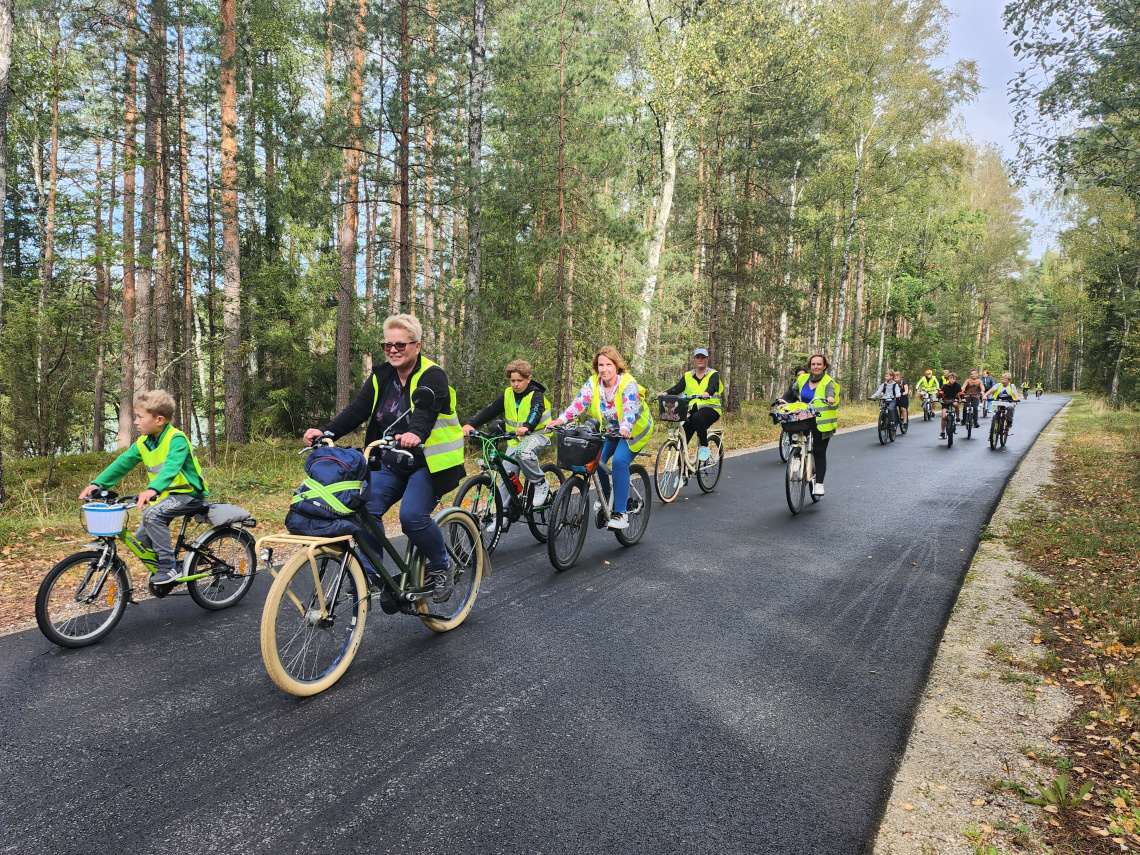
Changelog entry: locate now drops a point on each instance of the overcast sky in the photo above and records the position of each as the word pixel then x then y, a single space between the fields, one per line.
pixel 976 33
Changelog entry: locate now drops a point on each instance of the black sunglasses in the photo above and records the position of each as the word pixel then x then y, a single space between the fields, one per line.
pixel 397 346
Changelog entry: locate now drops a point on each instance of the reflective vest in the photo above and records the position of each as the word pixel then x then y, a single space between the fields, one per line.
pixel 444 446
pixel 515 414
pixel 642 425
pixel 928 384
pixel 156 459
pixel 826 415
pixel 695 387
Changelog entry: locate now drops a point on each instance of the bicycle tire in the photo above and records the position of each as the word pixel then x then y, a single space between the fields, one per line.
pixel 995 428
pixel 969 427
pixel 538 519
pixel 785 445
pixel 882 429
pixel 667 471
pixel 708 471
pixel 479 497
pixel 892 426
pixel 568 523
pixel 950 431
pixel 228 583
pixel 298 671
pixel 904 425
pixel 793 489
pixel 1004 434
pixel 641 499
pixel 461 536
pixel 62 618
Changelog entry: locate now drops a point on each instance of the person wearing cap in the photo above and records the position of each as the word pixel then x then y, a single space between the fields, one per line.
pixel 702 383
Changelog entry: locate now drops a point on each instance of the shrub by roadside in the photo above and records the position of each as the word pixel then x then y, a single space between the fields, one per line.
pixel 1084 541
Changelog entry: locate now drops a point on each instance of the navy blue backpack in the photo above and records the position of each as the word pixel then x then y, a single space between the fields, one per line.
pixel 334 489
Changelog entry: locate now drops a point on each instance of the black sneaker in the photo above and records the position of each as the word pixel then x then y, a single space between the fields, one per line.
pixel 942 436
pixel 443 583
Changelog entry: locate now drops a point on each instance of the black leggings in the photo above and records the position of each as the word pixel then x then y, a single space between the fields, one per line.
pixel 700 420
pixel 819 453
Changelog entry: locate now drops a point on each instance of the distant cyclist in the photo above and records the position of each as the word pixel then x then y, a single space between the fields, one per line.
pixel 950 391
pixel 973 390
pixel 890 392
pixel 928 386
pixel 904 400
pixel 817 386
pixel 702 383
pixel 1005 393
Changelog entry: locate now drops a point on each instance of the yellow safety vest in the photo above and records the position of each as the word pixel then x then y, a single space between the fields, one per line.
pixel 515 415
pixel 827 415
pixel 444 446
pixel 156 459
pixel 928 384
pixel 694 387
pixel 642 425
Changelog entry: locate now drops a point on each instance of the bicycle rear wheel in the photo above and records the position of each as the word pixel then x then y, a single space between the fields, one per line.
pixel 538 519
pixel 228 555
pixel 1004 433
pixel 795 485
pixel 785 445
pixel 78 604
pixel 468 563
pixel 479 497
pixel 892 425
pixel 568 523
pixel 640 505
pixel 708 471
pixel 305 649
pixel 667 471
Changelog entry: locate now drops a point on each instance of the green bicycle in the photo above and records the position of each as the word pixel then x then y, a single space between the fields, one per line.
pixel 83 597
pixel 482 495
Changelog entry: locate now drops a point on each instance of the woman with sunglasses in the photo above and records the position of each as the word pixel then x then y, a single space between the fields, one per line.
pixel 702 383
pixel 432 434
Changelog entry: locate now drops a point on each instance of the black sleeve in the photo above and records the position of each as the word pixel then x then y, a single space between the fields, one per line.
pixel 491 411
pixel 422 419
pixel 355 414
pixel 677 388
pixel 719 390
pixel 537 405
pixel 792 393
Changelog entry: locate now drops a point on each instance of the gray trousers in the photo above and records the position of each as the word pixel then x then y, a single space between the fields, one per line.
pixel 155 525
pixel 527 452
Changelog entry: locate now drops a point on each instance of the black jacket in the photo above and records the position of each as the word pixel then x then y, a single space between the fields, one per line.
pixel 498 407
pixel 714 388
pixel 421 421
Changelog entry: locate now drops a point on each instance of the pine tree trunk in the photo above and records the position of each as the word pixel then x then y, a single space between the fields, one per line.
pixel 231 246
pixel 563 364
pixel 102 300
pixel 346 293
pixel 130 130
pixel 184 206
pixel 405 149
pixel 7 33
pixel 474 189
pixel 845 266
pixel 144 333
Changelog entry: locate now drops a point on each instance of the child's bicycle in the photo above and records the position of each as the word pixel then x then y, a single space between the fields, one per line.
pixel 315 611
pixel 83 596
pixel 674 465
pixel 580 450
pixel 482 495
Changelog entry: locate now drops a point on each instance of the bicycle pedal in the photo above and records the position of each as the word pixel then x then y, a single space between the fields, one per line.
pixel 416 596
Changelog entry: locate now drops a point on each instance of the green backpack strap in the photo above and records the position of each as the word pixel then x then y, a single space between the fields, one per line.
pixel 326 492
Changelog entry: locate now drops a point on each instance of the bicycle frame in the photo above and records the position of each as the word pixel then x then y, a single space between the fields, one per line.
pixel 806 442
pixel 494 463
pixel 147 555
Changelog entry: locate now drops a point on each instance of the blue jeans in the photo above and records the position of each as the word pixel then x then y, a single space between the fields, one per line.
pixel 419 500
pixel 619 450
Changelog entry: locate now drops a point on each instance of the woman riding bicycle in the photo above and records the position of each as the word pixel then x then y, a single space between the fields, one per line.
pixel 613 396
pixel 703 383
pixel 817 386
pixel 431 434
pixel 526 410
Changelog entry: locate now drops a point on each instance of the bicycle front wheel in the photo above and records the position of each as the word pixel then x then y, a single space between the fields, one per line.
pixel 882 429
pixel 479 498
pixel 708 471
pixel 640 504
pixel 468 563
pixel 969 426
pixel 949 431
pixel 306 648
pixel 568 522
pixel 538 519
pixel 78 603
pixel 795 484
pixel 667 471
pixel 995 429
pixel 228 555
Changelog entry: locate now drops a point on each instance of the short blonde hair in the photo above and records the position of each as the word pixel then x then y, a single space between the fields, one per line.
pixel 1005 375
pixel 407 322
pixel 157 402
pixel 519 366
pixel 610 352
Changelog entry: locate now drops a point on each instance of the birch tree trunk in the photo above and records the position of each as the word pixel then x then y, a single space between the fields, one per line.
pixel 474 188
pixel 656 242
pixel 785 297
pixel 845 265
pixel 231 246
pixel 7 32
pixel 184 210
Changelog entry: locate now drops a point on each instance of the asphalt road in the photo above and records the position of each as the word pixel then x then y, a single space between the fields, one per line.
pixel 742 681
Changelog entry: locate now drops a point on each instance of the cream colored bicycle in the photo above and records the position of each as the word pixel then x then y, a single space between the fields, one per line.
pixel 676 463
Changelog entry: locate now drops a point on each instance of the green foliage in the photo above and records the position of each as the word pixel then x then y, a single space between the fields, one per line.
pixel 1057 794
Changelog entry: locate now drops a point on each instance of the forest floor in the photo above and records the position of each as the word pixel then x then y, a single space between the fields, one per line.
pixel 1037 682
pixel 42 521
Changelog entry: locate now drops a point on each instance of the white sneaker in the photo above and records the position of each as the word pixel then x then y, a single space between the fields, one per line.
pixel 541 493
pixel 704 453
pixel 817 490
pixel 618 522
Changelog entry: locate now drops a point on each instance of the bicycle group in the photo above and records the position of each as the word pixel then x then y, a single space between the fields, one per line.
pixel 322 593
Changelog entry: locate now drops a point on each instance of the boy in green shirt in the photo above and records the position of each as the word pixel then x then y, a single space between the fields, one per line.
pixel 177 486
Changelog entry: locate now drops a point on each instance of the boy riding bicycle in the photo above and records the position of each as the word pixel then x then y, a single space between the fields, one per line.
pixel 177 486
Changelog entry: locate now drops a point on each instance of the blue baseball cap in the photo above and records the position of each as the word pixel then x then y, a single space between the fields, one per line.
pixel 700 351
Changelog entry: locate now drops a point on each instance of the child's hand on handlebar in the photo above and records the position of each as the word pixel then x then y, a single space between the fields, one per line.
pixel 91 488
pixel 145 497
